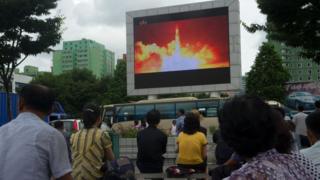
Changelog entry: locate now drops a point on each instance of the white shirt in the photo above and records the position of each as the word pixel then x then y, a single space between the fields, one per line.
pixel 173 130
pixel 300 121
pixel 313 153
pixel 30 149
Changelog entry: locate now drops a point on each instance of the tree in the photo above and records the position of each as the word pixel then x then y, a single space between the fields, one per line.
pixel 74 89
pixel 267 77
pixel 25 30
pixel 296 23
pixel 118 87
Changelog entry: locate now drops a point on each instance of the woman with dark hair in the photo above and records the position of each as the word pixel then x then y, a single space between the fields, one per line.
pixel 251 128
pixel 192 145
pixel 90 146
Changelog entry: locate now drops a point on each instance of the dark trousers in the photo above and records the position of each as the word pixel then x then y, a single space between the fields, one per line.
pixel 147 167
pixel 200 168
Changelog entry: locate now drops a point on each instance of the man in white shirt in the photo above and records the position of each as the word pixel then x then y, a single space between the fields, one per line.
pixel 313 130
pixel 300 121
pixel 30 149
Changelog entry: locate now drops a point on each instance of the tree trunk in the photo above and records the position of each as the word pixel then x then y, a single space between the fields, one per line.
pixel 6 85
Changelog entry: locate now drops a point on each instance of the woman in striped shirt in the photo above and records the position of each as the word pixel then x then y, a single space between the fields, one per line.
pixel 90 146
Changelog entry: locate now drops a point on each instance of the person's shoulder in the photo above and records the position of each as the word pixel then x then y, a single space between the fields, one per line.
pixel 247 171
pixel 7 125
pixel 51 131
pixel 200 134
pixel 160 132
pixel 305 151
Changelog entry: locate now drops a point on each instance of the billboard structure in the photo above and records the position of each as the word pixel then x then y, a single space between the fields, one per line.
pixel 185 48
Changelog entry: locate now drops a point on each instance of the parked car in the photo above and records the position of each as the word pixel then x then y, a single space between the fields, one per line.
pixel 70 125
pixel 304 99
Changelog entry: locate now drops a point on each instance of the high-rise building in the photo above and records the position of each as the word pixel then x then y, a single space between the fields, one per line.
pixel 30 70
pixel 82 54
pixel 124 58
pixel 300 69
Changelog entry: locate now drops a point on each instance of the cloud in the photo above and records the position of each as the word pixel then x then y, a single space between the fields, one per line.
pixel 104 22
pixel 42 61
pixel 112 12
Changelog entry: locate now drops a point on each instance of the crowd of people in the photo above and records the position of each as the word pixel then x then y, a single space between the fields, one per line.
pixel 254 141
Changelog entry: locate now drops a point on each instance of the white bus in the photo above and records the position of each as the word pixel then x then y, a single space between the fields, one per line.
pixel 124 114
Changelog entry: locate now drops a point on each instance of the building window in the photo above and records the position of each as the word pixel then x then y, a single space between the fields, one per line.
pixel 300 78
pixel 299 64
pixel 309 78
pixel 309 64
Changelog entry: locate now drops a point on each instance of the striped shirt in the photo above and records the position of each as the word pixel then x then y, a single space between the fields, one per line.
pixel 88 151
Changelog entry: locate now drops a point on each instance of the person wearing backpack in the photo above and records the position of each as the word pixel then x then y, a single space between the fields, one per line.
pixel 90 146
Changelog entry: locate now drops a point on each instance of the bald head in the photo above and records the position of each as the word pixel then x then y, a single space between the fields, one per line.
pixel 37 97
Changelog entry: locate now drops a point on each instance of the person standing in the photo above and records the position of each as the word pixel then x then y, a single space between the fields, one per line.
pixel 31 149
pixel 90 146
pixel 173 129
pixel 152 144
pixel 59 126
pixel 180 120
pixel 299 120
pixel 313 131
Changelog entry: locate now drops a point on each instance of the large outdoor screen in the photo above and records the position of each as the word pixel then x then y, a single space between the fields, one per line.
pixel 182 49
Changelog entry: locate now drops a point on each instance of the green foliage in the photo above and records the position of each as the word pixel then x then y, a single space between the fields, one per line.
pixel 212 129
pixel 118 87
pixel 25 29
pixel 75 88
pixel 267 77
pixel 296 23
pixel 129 133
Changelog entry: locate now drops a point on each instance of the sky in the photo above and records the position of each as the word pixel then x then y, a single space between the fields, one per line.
pixel 104 22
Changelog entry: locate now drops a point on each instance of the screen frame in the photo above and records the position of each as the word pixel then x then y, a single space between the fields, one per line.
pixel 234 48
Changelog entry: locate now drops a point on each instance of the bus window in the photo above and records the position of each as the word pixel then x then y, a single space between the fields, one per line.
pixel 208 108
pixel 187 106
pixel 167 111
pixel 108 116
pixel 212 112
pixel 125 113
pixel 142 110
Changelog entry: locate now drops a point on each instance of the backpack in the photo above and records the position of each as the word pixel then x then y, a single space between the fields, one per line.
pixel 119 169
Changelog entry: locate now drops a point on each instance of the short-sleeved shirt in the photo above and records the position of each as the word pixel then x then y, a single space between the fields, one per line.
pixel 300 121
pixel 313 153
pixel 30 149
pixel 275 166
pixel 191 148
pixel 179 124
pixel 88 148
